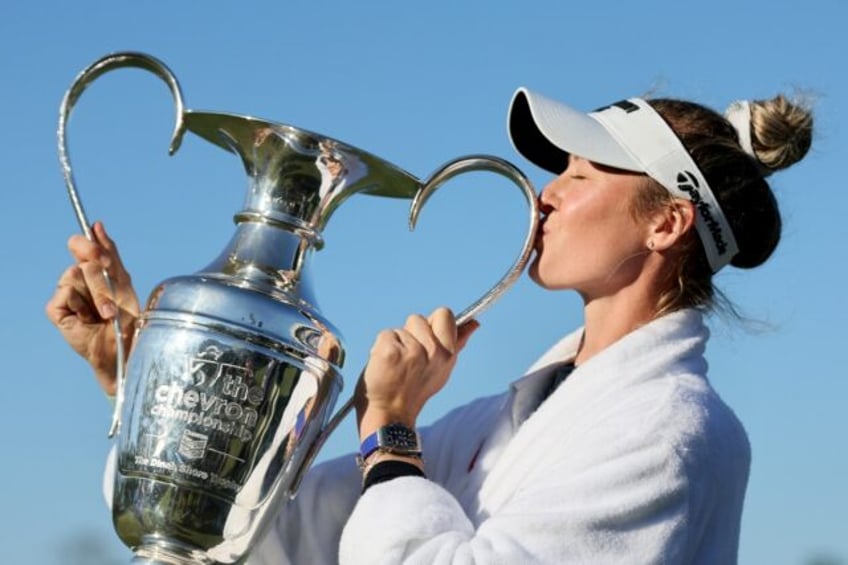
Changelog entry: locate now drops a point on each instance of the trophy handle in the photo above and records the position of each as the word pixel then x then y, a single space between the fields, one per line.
pixel 83 79
pixel 462 165
pixel 504 168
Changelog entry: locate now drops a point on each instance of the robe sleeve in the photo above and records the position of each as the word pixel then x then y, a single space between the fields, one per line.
pixel 624 504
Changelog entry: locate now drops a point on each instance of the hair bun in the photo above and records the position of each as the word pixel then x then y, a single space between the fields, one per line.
pixel 781 131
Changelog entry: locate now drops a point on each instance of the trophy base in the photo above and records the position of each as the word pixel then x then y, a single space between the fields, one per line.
pixel 161 552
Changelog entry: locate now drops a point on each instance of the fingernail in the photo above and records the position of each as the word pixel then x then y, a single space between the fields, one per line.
pixel 107 310
pixel 100 228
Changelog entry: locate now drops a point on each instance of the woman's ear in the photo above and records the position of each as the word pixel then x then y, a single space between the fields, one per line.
pixel 670 223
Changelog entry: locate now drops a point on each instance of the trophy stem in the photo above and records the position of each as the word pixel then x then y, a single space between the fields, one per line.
pixel 266 255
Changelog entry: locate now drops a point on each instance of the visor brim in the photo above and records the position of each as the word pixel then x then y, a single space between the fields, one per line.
pixel 545 132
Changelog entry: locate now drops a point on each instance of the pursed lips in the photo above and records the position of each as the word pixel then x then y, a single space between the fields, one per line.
pixel 543 225
pixel 542 230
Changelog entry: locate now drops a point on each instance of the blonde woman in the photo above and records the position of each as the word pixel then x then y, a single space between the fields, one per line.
pixel 613 447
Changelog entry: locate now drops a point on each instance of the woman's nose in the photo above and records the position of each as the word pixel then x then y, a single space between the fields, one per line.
pixel 547 198
pixel 544 206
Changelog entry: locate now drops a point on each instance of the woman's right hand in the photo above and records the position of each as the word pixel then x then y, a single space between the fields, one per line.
pixel 82 308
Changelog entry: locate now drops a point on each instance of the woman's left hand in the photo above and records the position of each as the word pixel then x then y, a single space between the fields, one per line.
pixel 406 367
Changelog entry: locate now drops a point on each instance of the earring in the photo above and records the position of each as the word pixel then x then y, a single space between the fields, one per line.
pixel 651 244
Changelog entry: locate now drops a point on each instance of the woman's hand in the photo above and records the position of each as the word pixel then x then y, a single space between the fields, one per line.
pixel 83 308
pixel 407 366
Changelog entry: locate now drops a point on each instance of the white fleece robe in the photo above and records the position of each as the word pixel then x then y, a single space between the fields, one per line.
pixel 633 459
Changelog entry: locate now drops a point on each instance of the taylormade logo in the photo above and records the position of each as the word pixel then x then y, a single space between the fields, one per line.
pixel 687 182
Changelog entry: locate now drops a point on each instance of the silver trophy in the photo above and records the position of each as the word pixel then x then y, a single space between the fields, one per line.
pixel 230 386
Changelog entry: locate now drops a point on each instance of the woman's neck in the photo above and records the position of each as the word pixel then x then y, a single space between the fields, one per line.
pixel 609 318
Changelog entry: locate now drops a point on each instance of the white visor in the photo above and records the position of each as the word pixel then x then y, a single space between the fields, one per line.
pixel 628 135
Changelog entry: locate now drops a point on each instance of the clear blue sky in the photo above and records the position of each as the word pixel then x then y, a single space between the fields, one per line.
pixel 417 83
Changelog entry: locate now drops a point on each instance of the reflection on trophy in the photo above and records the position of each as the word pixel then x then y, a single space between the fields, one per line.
pixel 229 389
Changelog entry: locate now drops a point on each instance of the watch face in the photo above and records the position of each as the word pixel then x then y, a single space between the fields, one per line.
pixel 399 437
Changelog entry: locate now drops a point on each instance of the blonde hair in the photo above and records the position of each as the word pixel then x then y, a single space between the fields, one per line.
pixel 781 131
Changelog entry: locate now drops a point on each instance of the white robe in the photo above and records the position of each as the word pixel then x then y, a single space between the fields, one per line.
pixel 633 459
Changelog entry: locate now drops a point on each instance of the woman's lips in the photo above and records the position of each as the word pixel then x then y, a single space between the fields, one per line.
pixel 540 232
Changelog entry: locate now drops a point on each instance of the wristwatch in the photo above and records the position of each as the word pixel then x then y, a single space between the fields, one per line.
pixel 394 438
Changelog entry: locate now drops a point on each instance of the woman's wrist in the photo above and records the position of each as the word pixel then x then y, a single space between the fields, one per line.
pixel 372 420
pixel 392 450
pixel 382 456
pixel 382 466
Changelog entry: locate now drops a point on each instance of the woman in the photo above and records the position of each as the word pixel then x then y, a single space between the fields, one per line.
pixel 613 448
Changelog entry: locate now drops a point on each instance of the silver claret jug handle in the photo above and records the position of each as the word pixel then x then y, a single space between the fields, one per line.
pixel 473 163
pixel 467 164
pixel 81 82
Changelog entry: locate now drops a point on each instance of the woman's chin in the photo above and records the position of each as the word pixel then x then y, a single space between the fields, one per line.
pixel 545 278
pixel 535 275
